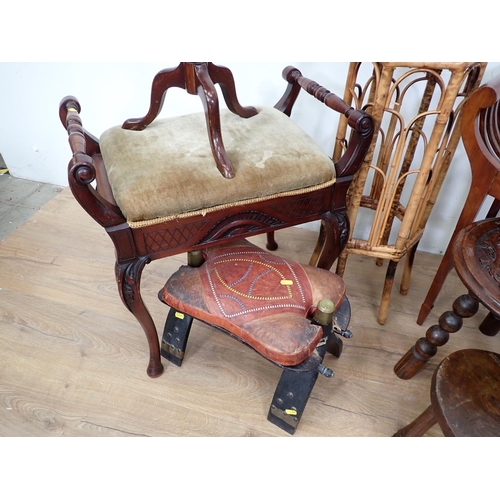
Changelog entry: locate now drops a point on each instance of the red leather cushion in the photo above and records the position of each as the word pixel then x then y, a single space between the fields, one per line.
pixel 263 299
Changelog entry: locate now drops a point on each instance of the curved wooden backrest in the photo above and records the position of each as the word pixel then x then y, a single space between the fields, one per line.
pixel 480 128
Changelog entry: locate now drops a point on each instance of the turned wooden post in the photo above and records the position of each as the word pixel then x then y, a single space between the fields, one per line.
pixel 436 336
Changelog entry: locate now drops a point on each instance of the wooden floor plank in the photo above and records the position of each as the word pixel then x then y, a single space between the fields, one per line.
pixel 73 359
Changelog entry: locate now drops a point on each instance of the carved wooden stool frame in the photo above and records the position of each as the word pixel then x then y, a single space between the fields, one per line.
pixel 138 245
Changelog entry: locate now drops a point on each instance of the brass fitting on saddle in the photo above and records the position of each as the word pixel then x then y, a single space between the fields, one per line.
pixel 195 258
pixel 324 312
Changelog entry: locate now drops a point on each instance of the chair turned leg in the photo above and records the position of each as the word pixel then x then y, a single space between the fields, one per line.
pixel 419 426
pixel 490 325
pixel 438 335
pixel 128 278
pixel 271 242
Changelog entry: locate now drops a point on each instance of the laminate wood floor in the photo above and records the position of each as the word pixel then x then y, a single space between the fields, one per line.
pixel 73 359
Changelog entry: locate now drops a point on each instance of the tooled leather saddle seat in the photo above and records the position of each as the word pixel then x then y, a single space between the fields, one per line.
pixel 274 305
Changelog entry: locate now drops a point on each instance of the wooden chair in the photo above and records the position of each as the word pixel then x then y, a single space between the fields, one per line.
pixel 465 397
pixel 480 129
pixel 168 186
pixel 476 257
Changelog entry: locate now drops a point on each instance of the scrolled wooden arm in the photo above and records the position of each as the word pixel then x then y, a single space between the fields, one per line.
pixel 360 121
pixel 81 168
pixel 80 140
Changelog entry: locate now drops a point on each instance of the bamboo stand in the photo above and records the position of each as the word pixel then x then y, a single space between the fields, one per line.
pixel 408 158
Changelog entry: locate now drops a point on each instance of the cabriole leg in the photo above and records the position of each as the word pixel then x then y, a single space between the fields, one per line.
pixel 128 277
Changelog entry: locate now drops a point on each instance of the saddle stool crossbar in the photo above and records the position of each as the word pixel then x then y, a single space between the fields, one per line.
pixel 287 312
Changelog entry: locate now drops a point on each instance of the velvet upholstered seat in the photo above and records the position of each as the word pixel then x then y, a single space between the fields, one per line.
pixel 147 169
pixel 165 186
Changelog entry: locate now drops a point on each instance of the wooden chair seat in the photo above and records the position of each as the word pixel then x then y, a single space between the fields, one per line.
pixel 465 397
pixel 274 305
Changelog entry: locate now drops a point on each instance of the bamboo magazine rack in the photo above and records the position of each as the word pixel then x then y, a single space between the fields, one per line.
pixel 416 108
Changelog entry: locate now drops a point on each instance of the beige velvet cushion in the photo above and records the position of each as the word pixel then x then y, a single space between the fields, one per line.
pixel 168 168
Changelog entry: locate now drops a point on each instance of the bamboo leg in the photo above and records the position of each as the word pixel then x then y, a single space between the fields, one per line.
pixel 386 293
pixel 472 83
pixel 405 280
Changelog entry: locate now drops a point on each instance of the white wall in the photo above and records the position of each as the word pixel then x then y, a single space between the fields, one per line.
pixel 34 144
